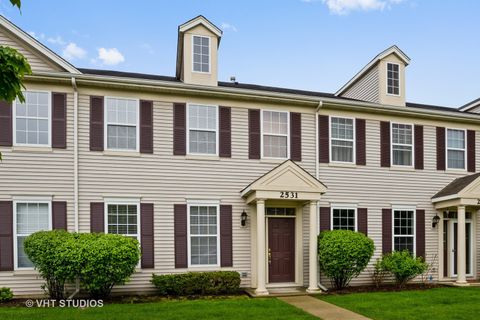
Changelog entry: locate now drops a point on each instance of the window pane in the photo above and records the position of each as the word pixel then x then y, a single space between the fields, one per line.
pixel 203 142
pixel 32 119
pixel 456 159
pixel 342 128
pixel 275 123
pixel 403 222
pixel 121 124
pixel 402 155
pixel 121 137
pixel 22 259
pixel 201 54
pixel 202 122
pixel 204 235
pixel 343 219
pixel 393 75
pixel 342 150
pixel 275 146
pixel 456 139
pixel 122 219
pixel 403 243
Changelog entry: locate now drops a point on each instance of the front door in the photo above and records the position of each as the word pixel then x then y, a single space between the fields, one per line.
pixel 281 250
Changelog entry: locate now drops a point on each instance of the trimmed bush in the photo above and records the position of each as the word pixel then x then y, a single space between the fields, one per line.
pixel 5 294
pixel 197 283
pixel 379 273
pixel 403 266
pixel 343 254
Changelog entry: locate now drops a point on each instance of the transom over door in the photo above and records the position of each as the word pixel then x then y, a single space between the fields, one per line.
pixel 281 250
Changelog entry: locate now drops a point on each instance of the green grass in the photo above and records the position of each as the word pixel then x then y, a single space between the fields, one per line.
pixel 218 308
pixel 439 304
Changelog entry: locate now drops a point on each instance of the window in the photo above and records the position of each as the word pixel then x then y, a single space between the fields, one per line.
pixel 342 139
pixel 393 79
pixel 122 124
pixel 202 129
pixel 275 134
pixel 455 149
pixel 201 54
pixel 32 119
pixel 30 217
pixel 402 144
pixel 122 218
pixel 344 219
pixel 404 230
pixel 289 212
pixel 203 234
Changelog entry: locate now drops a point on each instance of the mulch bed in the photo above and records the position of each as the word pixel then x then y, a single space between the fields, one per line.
pixel 383 288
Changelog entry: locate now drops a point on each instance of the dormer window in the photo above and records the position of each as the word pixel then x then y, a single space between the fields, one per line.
pixel 393 79
pixel 201 54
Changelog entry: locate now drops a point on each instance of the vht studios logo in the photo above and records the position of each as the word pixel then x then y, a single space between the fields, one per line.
pixel 68 303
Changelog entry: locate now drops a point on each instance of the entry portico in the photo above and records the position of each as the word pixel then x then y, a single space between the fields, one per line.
pixel 457 206
pixel 279 199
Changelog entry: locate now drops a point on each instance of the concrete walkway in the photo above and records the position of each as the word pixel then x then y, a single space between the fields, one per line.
pixel 322 309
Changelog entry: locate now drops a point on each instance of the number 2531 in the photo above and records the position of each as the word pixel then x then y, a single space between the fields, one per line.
pixel 288 195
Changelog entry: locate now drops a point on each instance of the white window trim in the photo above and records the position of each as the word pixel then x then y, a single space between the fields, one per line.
pixel 345 207
pixel 14 122
pixel 386 80
pixel 106 123
pixel 262 156
pixel 122 201
pixel 207 204
pixel 15 233
pixel 402 144
pixel 405 208
pixel 456 149
pixel 209 54
pixel 201 129
pixel 354 140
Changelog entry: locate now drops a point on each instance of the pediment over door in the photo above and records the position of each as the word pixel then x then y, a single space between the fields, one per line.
pixel 288 181
pixel 461 191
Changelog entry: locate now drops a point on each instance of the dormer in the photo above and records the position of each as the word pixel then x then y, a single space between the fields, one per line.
pixel 197 52
pixel 382 80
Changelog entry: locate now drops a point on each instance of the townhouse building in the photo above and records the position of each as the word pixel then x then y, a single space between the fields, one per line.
pixel 213 175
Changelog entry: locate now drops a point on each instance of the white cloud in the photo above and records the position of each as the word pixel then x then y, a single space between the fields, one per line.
pixel 40 36
pixel 342 7
pixel 228 26
pixel 110 56
pixel 72 52
pixel 147 47
pixel 57 40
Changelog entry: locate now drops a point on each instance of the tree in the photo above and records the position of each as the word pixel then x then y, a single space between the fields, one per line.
pixel 13 68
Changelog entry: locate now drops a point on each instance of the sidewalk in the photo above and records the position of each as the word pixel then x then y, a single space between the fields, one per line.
pixel 322 309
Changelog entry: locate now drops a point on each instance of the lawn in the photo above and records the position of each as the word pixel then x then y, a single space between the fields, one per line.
pixel 439 304
pixel 218 308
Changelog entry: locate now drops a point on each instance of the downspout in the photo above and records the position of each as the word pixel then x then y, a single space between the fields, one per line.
pixel 317 175
pixel 75 169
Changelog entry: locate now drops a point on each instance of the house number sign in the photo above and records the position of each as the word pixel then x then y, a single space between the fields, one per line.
pixel 288 195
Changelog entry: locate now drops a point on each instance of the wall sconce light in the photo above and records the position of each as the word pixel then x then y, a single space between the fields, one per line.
pixel 243 218
pixel 435 221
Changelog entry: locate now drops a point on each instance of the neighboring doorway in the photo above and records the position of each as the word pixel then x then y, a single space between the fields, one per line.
pixel 450 244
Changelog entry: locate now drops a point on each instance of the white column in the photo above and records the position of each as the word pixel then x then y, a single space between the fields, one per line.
pixel 461 249
pixel 261 256
pixel 312 250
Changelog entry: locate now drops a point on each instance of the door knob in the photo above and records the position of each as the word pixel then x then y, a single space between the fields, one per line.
pixel 269 256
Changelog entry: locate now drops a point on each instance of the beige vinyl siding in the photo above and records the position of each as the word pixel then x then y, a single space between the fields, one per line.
pixel 367 88
pixel 164 179
pixel 41 173
pixel 34 58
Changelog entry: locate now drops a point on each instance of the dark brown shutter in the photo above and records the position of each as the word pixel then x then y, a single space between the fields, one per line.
pixel 146 233
pixel 296 136
pixel 146 126
pixel 324 219
pixel 386 231
pixel 254 134
pixel 418 138
pixel 471 150
pixel 96 123
pixel 385 144
pixel 225 138
pixel 59 215
pixel 226 248
pixel 440 148
pixel 6 236
pixel 179 129
pixel 180 230
pixel 362 215
pixel 360 142
pixel 420 233
pixel 6 133
pixel 323 139
pixel 97 217
pixel 59 120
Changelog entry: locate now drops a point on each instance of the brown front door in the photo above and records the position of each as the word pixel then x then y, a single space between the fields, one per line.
pixel 281 250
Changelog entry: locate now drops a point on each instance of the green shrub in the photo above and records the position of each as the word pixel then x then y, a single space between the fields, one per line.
pixel 106 260
pixel 379 272
pixel 197 283
pixel 54 256
pixel 5 294
pixel 403 266
pixel 343 254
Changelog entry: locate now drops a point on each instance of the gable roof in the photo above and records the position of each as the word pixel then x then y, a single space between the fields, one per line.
pixel 470 105
pixel 392 50
pixel 456 186
pixel 34 43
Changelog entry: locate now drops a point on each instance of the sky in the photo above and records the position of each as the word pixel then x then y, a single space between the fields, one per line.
pixel 304 44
